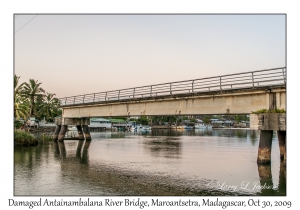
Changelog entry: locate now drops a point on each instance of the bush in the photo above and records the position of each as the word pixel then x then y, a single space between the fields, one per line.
pixel 47 136
pixel 24 138
pixel 17 124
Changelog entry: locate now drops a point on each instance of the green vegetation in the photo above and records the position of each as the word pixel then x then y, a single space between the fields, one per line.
pixel 21 104
pixel 206 119
pixel 117 120
pixel 261 111
pixel 32 91
pixel 193 120
pixel 143 120
pixel 17 124
pixel 24 138
pixel 177 120
pixel 30 99
pixel 239 118
pixel 156 120
pixel 47 136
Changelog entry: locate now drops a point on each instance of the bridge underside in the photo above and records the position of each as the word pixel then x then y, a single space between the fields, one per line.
pixel 233 102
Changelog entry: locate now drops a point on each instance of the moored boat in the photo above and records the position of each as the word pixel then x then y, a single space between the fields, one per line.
pixel 200 126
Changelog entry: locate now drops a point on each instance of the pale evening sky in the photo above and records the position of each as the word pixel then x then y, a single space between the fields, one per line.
pixel 80 54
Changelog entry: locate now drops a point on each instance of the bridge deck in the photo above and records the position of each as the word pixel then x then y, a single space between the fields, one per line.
pixel 182 96
pixel 242 82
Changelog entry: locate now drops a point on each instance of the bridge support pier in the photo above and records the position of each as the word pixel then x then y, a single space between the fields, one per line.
pixel 62 132
pixel 81 125
pixel 80 132
pixel 267 123
pixel 264 148
pixel 86 131
pixel 56 132
pixel 282 144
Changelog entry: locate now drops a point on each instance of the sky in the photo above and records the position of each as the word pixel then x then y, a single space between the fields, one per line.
pixel 89 53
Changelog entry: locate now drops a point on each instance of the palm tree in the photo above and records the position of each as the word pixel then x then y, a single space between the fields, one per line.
pixel 32 90
pixel 21 108
pixel 48 106
pixel 17 89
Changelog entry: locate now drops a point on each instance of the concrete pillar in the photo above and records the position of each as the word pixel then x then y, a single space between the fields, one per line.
pixel 62 132
pixel 56 132
pixel 86 131
pixel 80 132
pixel 264 148
pixel 282 144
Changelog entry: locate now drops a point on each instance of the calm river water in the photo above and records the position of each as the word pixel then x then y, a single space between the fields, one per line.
pixel 159 162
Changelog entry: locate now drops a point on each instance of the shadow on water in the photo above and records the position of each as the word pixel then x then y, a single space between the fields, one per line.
pixel 99 178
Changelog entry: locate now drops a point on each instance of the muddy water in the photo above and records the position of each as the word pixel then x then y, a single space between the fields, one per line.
pixel 159 162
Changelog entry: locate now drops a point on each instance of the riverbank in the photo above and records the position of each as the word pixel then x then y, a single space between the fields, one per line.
pixel 23 138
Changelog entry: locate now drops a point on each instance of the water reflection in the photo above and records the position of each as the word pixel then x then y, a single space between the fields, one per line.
pixel 267 187
pixel 282 179
pixel 62 149
pixel 160 162
pixel 239 133
pixel 168 147
pixel 81 151
pixel 85 154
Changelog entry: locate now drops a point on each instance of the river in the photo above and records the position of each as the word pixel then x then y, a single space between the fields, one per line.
pixel 158 162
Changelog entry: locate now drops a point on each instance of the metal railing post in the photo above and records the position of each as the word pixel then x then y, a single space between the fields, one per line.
pixel 220 83
pixel 119 95
pixel 151 91
pixel 252 80
pixel 66 100
pixel 94 98
pixel 284 78
pixel 193 86
pixel 83 99
pixel 74 100
pixel 106 96
pixel 133 92
pixel 170 88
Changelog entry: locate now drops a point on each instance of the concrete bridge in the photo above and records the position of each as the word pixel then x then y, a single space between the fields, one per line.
pixel 228 94
pixel 239 93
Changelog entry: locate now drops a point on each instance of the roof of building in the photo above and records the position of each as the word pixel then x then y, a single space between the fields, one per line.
pixel 99 120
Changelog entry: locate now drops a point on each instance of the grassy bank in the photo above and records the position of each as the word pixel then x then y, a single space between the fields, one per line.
pixel 47 136
pixel 22 138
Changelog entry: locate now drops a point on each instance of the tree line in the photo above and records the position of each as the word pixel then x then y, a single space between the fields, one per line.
pixel 30 99
pixel 178 120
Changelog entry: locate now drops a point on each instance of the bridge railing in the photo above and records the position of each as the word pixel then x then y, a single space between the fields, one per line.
pixel 261 78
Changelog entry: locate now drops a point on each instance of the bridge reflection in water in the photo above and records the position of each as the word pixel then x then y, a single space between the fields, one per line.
pixel 160 162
